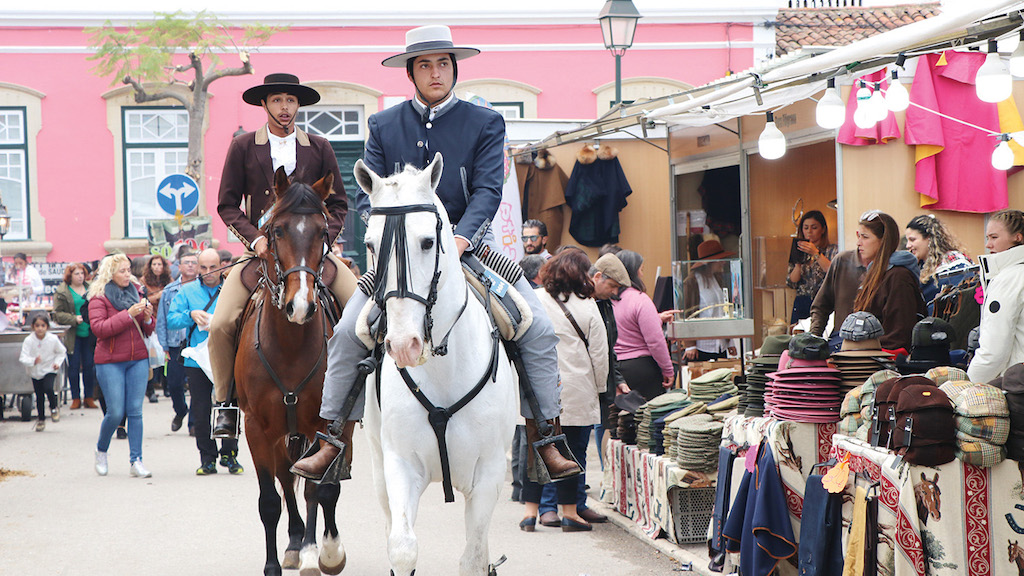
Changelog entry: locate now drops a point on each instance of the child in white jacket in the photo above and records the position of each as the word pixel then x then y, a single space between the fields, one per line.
pixel 42 354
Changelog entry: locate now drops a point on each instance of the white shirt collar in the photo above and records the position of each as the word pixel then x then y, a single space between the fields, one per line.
pixel 435 109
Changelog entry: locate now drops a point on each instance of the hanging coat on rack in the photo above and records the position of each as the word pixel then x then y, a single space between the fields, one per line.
pixel 544 195
pixel 596 192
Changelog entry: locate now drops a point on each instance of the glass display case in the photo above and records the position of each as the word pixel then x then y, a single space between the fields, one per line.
pixel 709 297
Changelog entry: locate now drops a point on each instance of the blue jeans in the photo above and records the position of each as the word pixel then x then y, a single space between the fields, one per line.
pixel 577 437
pixel 124 387
pixel 81 362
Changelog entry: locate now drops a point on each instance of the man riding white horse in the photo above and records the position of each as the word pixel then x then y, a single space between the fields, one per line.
pixel 471 139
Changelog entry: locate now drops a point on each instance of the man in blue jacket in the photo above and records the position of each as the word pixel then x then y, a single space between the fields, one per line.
pixel 192 309
pixel 172 341
pixel 471 139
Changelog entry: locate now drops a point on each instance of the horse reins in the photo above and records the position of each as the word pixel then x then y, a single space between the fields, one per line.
pixel 394 238
pixel 276 290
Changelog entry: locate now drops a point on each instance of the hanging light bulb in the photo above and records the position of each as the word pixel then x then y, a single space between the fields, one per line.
pixel 876 104
pixel 1002 156
pixel 1017 58
pixel 862 116
pixel 830 112
pixel 993 83
pixel 772 142
pixel 897 98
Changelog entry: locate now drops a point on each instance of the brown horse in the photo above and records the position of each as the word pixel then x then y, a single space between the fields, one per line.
pixel 279 372
pixel 1016 556
pixel 928 498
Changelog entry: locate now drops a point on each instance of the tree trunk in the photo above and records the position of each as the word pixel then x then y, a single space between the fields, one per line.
pixel 196 116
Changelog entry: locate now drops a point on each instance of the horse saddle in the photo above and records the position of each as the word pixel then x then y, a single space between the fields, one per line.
pixel 252 272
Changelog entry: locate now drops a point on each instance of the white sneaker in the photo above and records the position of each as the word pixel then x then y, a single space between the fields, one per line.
pixel 101 463
pixel 55 414
pixel 139 471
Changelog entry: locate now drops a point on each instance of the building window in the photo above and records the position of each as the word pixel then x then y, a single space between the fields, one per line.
pixel 510 110
pixel 155 146
pixel 335 123
pixel 14 170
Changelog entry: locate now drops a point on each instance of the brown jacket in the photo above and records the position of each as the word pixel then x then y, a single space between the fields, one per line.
pixel 543 195
pixel 898 305
pixel 837 292
pixel 247 182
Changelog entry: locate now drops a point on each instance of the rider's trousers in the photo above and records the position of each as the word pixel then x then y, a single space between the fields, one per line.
pixel 537 346
pixel 231 303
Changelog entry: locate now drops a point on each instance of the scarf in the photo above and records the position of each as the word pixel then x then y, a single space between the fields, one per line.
pixel 121 298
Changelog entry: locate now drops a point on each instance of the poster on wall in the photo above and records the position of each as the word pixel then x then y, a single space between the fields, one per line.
pixel 166 235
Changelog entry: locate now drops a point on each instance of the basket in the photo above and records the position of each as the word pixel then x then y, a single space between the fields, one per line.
pixel 692 509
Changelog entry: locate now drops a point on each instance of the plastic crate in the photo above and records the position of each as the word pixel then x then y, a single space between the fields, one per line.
pixel 692 509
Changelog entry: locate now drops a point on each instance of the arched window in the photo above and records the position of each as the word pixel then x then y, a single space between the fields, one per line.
pixel 514 100
pixel 634 89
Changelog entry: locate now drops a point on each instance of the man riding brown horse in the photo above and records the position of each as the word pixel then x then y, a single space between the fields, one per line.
pixel 247 182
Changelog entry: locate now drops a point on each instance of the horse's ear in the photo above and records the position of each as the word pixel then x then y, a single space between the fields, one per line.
pixel 280 182
pixel 324 187
pixel 435 168
pixel 365 177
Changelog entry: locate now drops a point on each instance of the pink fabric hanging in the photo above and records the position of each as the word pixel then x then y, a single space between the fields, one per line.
pixel 882 131
pixel 953 161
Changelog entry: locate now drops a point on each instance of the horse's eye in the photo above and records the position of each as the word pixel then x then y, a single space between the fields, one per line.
pixel 427 243
pixel 278 232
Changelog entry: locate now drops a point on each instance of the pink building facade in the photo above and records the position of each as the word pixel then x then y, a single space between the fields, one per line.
pixel 80 160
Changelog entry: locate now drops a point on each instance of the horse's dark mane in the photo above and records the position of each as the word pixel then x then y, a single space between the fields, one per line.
pixel 299 198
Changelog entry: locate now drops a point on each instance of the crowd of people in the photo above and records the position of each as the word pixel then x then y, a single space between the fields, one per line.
pixel 112 316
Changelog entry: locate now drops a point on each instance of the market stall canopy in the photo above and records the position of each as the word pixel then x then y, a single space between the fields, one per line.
pixel 800 75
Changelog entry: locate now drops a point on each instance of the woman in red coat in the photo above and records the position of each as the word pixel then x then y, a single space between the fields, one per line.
pixel 120 318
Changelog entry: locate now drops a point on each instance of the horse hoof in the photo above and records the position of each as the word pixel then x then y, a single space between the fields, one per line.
pixel 332 557
pixel 309 561
pixel 291 560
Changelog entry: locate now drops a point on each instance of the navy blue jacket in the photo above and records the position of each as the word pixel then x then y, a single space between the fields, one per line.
pixel 471 139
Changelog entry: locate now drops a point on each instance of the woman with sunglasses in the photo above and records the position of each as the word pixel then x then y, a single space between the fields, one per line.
pixel 1001 344
pixel 891 290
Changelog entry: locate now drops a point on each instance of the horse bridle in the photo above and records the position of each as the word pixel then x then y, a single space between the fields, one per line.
pixel 276 289
pixel 394 239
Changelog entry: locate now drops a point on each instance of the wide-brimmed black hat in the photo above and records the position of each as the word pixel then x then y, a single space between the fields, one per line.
pixel 280 82
pixel 433 39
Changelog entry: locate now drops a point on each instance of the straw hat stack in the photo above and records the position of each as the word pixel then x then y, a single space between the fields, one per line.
pixel 804 388
pixel 671 433
pixel 712 384
pixel 697 441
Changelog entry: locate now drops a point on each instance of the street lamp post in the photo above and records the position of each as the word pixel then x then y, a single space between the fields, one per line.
pixel 618 24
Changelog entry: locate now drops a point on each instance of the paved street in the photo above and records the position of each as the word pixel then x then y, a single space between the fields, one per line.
pixel 57 517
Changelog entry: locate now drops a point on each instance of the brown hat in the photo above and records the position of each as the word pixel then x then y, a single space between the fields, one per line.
pixel 711 250
pixel 609 265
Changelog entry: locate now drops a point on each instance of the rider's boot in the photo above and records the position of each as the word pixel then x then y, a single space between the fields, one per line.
pixel 337 441
pixel 225 423
pixel 546 445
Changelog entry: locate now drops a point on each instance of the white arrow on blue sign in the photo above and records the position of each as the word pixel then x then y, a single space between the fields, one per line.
pixel 178 192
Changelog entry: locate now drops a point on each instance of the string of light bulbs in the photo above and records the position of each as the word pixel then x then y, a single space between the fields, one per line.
pixel 993 84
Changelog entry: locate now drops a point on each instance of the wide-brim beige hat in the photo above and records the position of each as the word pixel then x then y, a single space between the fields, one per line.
pixel 432 39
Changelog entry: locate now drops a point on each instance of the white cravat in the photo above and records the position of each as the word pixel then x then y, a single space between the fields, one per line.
pixel 282 151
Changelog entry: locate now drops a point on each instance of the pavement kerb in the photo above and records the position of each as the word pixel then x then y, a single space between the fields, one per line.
pixel 698 563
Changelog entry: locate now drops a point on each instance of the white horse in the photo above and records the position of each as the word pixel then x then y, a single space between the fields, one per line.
pixel 426 287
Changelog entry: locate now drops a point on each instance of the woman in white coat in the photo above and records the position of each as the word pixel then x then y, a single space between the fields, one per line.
pixel 1001 344
pixel 567 295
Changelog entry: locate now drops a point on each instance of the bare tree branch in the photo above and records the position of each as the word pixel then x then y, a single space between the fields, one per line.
pixel 142 96
pixel 245 68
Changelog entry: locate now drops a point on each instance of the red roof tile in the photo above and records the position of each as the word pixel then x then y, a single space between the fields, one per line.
pixel 797 27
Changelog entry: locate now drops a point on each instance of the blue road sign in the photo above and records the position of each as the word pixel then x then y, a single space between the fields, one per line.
pixel 178 192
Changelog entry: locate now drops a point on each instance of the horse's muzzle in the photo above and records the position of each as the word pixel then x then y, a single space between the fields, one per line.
pixel 406 351
pixel 299 311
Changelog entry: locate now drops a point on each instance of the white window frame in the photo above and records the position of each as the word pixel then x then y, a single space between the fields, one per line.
pixel 14 158
pixel 509 110
pixel 306 113
pixel 169 148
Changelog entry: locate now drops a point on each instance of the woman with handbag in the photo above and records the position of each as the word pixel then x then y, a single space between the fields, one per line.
pixel 567 296
pixel 121 320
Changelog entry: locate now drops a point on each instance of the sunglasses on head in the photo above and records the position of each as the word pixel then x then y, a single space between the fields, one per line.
pixel 870 215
